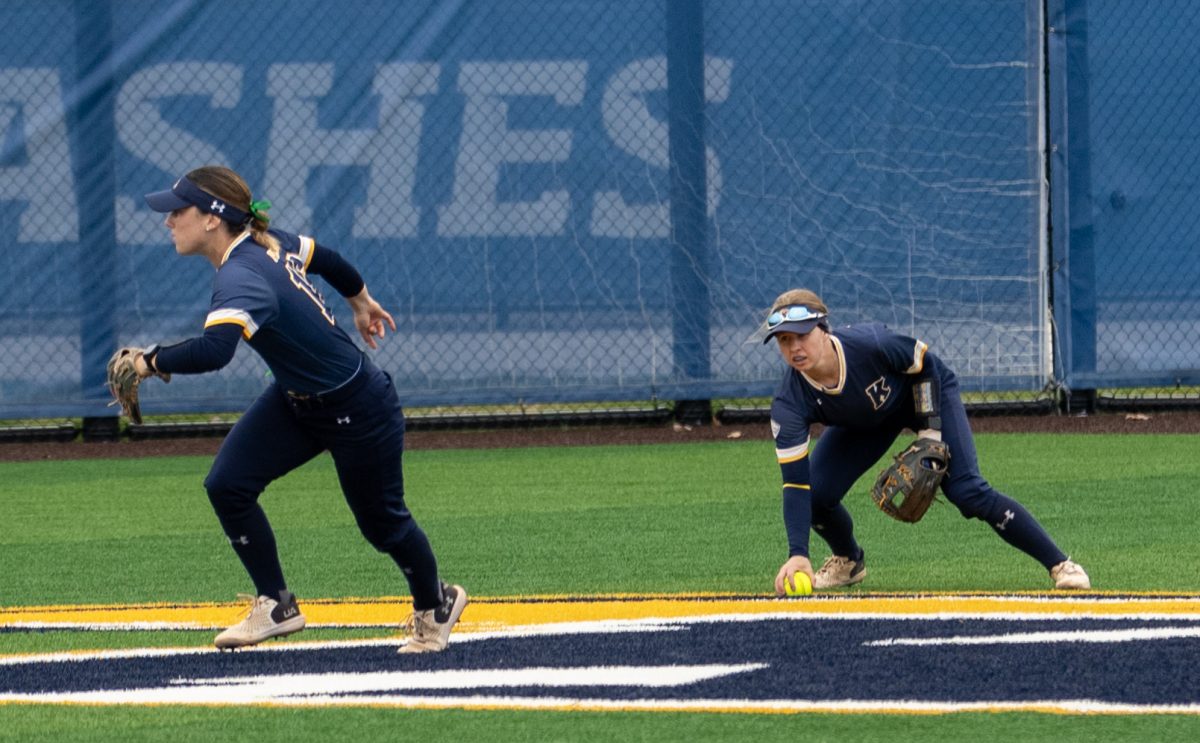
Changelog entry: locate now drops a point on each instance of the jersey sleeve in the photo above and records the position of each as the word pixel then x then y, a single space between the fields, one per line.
pixel 241 297
pixel 330 265
pixel 910 356
pixel 790 428
pixel 904 354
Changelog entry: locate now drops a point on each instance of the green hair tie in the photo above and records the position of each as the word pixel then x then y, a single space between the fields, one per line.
pixel 259 209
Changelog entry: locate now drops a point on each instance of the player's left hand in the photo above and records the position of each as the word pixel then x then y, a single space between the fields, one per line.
pixel 907 487
pixel 797 564
pixel 125 371
pixel 369 317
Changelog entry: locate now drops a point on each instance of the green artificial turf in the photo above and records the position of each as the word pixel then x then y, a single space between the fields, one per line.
pixel 663 518
pixel 581 520
pixel 31 723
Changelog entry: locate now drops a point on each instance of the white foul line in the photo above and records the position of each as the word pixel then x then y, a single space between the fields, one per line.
pixel 1029 638
pixel 241 690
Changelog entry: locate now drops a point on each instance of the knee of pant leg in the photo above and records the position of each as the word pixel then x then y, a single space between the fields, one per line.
pixel 974 502
pixel 830 514
pixel 226 497
pixel 385 536
pixel 824 499
pixel 820 518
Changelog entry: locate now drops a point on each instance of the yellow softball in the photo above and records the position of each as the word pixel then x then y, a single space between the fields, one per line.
pixel 802 585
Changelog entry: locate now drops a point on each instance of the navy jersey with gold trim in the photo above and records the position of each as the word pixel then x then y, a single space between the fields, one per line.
pixel 282 314
pixel 876 367
pixel 876 370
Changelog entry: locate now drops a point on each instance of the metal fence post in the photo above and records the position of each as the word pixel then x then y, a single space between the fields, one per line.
pixel 689 188
pixel 1072 249
pixel 91 111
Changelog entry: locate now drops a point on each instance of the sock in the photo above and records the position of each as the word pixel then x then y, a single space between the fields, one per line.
pixel 415 558
pixel 835 526
pixel 254 542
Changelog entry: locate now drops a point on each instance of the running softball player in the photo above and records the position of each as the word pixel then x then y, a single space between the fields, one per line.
pixel 859 382
pixel 326 395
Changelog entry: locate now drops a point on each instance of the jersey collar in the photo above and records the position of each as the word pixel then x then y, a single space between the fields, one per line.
pixel 841 359
pixel 236 242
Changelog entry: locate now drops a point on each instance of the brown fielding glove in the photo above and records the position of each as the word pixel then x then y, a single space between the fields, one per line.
pixel 123 381
pixel 906 487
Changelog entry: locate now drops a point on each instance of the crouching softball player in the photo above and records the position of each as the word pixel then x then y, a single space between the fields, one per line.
pixel 862 382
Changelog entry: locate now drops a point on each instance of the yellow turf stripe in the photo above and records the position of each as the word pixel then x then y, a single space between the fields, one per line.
pixel 493 613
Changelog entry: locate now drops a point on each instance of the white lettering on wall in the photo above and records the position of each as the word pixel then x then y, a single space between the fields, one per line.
pixel 143 131
pixel 634 129
pixel 393 151
pixel 32 98
pixel 487 143
pixel 297 144
pixel 37 170
pixel 388 153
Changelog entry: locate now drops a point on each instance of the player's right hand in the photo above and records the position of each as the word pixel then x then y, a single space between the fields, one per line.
pixel 797 564
pixel 369 317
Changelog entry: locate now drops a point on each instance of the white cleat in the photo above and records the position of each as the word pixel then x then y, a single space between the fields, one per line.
pixel 266 618
pixel 1068 575
pixel 840 571
pixel 429 631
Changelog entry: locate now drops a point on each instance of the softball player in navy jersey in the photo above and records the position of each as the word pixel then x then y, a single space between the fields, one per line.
pixel 866 384
pixel 326 395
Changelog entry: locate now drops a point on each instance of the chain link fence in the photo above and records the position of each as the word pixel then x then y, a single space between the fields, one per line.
pixel 580 209
pixel 1128 305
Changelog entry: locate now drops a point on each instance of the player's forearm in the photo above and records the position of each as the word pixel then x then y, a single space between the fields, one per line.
pixel 797 504
pixel 797 518
pixel 209 352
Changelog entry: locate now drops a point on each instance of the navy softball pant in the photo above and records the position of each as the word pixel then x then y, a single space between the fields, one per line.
pixel 362 428
pixel 842 455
